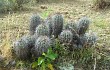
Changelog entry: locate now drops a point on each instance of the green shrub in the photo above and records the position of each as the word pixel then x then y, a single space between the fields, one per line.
pixel 45 61
pixel 10 5
pixel 20 2
pixel 2 5
pixel 101 4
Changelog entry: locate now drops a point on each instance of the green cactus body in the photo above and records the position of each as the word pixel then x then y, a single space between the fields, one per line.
pixel 22 48
pixel 88 39
pixel 48 22
pixel 31 41
pixel 73 28
pixel 57 24
pixel 34 22
pixel 71 25
pixel 83 40
pixel 91 38
pixel 41 45
pixel 66 36
pixel 42 29
pixel 83 25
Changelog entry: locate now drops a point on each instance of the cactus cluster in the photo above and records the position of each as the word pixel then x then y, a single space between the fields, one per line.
pixel 44 34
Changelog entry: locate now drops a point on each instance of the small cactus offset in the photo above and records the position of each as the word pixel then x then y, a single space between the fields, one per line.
pixel 57 24
pixel 34 22
pixel 83 25
pixel 22 48
pixel 66 36
pixel 41 45
pixel 42 29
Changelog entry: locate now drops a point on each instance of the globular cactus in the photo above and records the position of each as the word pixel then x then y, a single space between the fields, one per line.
pixel 48 22
pixel 88 39
pixel 31 40
pixel 22 48
pixel 66 36
pixel 83 25
pixel 34 22
pixel 41 45
pixel 57 24
pixel 83 40
pixel 71 25
pixel 42 29
pixel 91 38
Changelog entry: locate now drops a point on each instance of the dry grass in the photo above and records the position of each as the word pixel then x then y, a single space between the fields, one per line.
pixel 15 25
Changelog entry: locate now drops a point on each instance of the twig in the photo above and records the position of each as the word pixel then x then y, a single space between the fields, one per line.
pixel 95 60
pixel 95 64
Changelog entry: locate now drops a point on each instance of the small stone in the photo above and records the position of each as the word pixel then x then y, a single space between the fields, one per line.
pixel 1 58
pixel 43 7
